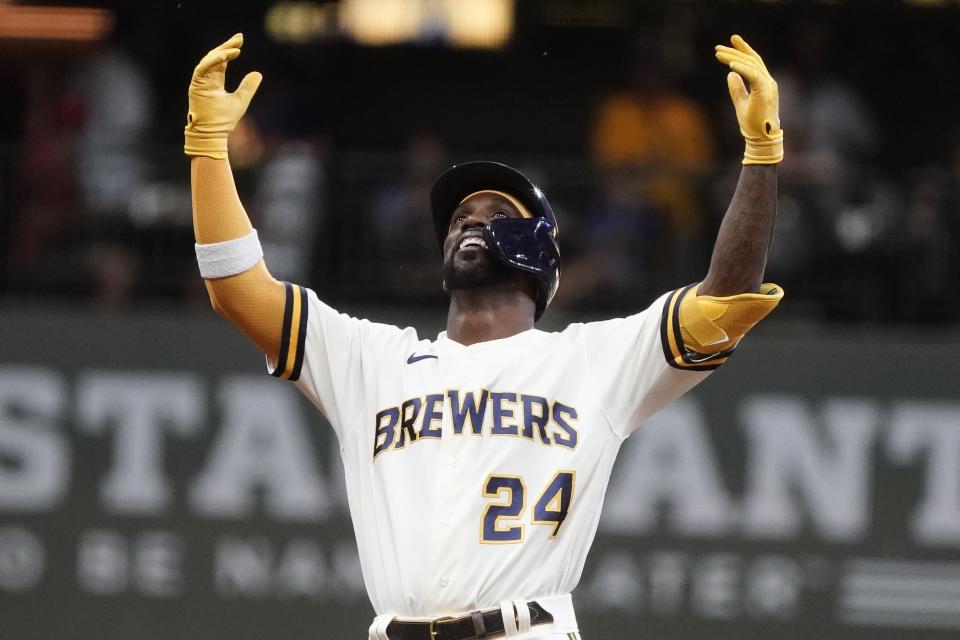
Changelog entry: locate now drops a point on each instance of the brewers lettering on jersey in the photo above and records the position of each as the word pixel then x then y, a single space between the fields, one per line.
pixel 476 461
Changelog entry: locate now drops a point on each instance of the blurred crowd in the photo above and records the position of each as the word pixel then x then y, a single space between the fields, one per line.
pixel 97 214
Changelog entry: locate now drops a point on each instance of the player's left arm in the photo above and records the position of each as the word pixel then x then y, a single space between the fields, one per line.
pixel 732 298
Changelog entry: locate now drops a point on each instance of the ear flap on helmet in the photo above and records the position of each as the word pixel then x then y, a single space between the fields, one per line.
pixel 528 245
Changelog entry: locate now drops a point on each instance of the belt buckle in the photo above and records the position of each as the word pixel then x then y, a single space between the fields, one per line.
pixel 433 632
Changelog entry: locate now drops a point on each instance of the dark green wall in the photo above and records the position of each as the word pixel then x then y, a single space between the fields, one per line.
pixel 155 484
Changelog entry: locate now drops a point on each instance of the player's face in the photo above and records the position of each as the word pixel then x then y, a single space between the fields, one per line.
pixel 467 262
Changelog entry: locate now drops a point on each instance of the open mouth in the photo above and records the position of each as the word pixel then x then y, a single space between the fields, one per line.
pixel 472 241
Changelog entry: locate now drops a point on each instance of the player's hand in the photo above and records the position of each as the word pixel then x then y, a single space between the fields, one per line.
pixel 213 112
pixel 758 109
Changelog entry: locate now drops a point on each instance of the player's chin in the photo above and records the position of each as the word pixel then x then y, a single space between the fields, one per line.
pixel 468 271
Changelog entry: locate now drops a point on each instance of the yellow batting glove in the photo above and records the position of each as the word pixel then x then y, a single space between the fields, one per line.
pixel 757 111
pixel 213 113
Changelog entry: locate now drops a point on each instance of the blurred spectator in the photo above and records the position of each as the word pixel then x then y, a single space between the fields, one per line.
pixel 97 200
pixel 652 147
pixel 117 102
pixel 662 136
pixel 290 201
pixel 617 247
pixel 47 175
pixel 118 113
pixel 928 263
pixel 832 131
pixel 828 184
pixel 401 224
pixel 280 156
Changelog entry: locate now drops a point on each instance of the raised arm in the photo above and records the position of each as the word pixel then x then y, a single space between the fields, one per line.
pixel 745 236
pixel 740 251
pixel 732 298
pixel 240 287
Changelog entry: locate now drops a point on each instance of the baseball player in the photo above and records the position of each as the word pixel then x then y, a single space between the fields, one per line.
pixel 476 462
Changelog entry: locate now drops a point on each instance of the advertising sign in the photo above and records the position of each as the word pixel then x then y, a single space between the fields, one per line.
pixel 156 484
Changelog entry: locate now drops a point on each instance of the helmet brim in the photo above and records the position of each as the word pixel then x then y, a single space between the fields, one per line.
pixel 460 180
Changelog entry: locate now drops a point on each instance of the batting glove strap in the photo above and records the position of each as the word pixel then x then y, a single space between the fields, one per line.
pixel 198 143
pixel 766 150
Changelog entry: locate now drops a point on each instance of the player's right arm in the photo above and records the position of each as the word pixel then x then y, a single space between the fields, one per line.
pixel 252 299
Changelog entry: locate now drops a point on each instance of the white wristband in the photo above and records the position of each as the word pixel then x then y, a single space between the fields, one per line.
pixel 222 259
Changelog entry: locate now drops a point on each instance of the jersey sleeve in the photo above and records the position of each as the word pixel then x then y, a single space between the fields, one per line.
pixel 296 316
pixel 329 355
pixel 679 349
pixel 641 363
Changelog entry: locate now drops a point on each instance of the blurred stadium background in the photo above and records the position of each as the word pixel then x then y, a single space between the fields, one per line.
pixel 154 485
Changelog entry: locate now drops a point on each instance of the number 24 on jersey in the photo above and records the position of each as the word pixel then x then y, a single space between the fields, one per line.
pixel 499 525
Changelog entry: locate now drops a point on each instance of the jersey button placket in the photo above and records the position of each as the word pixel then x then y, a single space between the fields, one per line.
pixel 447 490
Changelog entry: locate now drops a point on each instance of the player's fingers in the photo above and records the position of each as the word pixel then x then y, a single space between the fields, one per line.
pixel 203 67
pixel 741 45
pixel 215 58
pixel 750 72
pixel 759 77
pixel 738 90
pixel 248 86
pixel 727 55
pixel 229 54
pixel 235 42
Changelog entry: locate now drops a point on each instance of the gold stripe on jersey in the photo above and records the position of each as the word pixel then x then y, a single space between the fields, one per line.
pixel 293 334
pixel 293 331
pixel 671 338
pixel 699 333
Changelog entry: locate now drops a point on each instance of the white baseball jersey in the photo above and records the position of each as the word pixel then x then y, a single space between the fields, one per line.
pixel 476 474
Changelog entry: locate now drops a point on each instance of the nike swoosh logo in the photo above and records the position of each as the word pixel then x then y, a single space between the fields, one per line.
pixel 415 358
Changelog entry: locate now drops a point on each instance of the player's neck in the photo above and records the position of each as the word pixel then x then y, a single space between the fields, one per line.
pixel 479 315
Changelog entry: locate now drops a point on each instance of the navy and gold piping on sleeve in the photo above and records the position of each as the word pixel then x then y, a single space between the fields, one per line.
pixel 294 333
pixel 678 354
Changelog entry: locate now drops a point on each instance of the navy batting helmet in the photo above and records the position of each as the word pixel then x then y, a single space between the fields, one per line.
pixel 528 245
